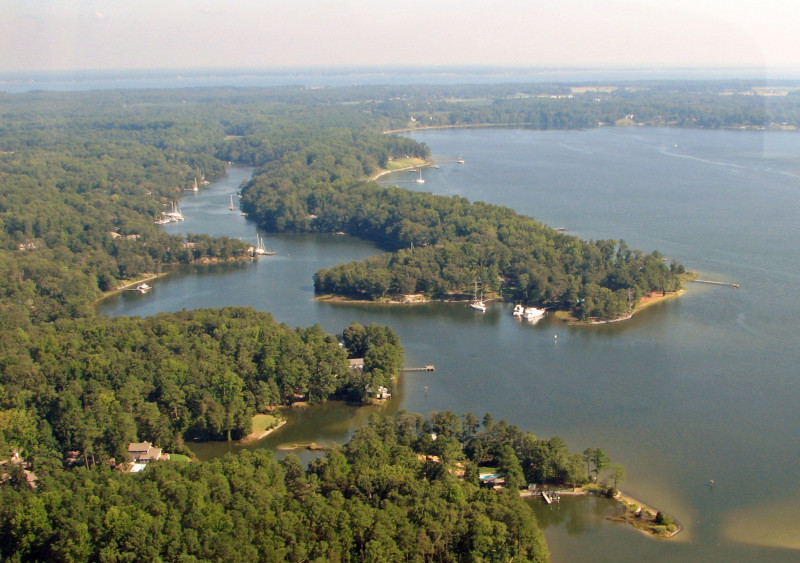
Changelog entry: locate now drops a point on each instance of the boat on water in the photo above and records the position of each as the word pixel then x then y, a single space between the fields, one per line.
pixel 233 207
pixel 532 313
pixel 172 216
pixel 519 309
pixel 259 250
pixel 420 180
pixel 143 288
pixel 460 160
pixel 478 305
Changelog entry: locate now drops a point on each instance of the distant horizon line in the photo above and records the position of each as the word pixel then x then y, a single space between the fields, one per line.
pixel 326 76
pixel 479 68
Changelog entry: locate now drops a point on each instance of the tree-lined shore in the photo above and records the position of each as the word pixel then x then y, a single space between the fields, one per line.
pixel 86 176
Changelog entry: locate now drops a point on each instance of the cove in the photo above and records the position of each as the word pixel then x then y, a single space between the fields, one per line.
pixel 697 388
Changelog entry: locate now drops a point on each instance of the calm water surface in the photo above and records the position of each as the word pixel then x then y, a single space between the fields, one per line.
pixel 702 387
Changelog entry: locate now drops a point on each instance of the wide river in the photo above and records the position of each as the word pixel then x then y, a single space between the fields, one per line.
pixel 700 388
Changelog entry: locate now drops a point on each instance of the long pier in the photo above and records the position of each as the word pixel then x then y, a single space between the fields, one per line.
pixel 716 283
pixel 425 368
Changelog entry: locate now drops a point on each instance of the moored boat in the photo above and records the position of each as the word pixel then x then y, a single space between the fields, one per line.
pixel 478 305
pixel 532 313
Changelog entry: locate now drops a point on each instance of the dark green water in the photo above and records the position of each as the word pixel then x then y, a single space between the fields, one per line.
pixel 702 387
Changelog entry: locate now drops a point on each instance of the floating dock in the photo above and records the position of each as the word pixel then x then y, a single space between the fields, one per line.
pixel 425 368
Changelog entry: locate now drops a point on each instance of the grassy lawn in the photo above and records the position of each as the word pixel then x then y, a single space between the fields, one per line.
pixel 263 421
pixel 399 163
pixel 179 457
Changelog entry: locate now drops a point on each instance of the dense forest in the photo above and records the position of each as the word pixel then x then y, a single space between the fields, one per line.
pixel 393 493
pixel 93 386
pixel 84 177
pixel 447 247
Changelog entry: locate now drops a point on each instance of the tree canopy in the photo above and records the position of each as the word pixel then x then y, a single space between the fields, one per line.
pixel 378 498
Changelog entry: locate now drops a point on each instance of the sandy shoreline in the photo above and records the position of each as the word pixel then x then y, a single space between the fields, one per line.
pixel 129 286
pixel 628 502
pixel 644 303
pixel 256 436
pixel 382 173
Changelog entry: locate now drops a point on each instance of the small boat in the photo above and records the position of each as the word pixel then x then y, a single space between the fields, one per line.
pixel 518 310
pixel 478 305
pixel 532 313
pixel 420 180
pixel 460 160
pixel 233 208
pixel 143 288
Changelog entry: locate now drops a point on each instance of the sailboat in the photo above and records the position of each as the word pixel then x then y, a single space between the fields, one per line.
pixel 259 249
pixel 420 180
pixel 233 208
pixel 478 304
pixel 172 216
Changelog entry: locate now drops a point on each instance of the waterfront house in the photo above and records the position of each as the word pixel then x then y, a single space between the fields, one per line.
pixel 143 452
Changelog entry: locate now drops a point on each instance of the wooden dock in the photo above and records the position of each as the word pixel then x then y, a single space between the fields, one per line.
pixel 716 283
pixel 426 368
pixel 551 497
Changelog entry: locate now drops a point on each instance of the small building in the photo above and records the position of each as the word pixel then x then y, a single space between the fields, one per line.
pixel 356 363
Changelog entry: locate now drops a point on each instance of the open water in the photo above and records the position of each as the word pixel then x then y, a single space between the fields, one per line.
pixel 697 388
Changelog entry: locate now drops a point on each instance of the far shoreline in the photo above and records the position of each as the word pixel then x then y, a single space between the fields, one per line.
pixel 204 261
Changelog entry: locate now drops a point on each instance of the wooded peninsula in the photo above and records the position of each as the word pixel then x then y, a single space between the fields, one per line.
pixel 87 176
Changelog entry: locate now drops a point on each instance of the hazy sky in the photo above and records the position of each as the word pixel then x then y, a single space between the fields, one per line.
pixel 93 34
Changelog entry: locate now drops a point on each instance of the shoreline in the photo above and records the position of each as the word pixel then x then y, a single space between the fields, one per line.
pixel 205 261
pixel 629 502
pixel 415 299
pixel 424 164
pixel 643 523
pixel 256 436
pixel 644 303
pixel 127 286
